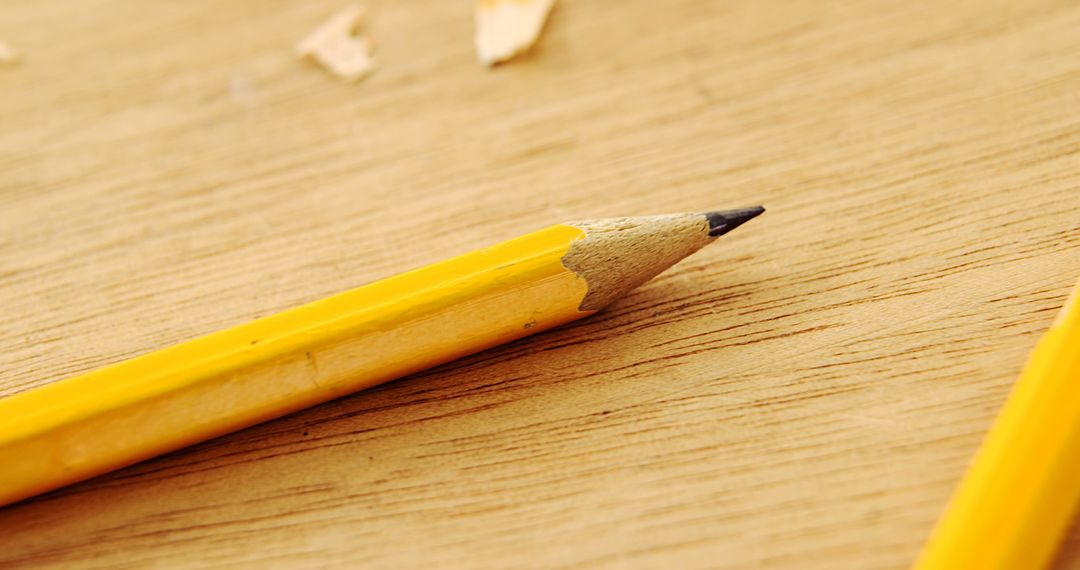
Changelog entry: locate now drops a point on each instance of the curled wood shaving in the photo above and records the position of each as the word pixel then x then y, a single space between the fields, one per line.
pixel 505 28
pixel 336 47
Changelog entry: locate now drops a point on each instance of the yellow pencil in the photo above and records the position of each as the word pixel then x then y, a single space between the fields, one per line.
pixel 1021 491
pixel 123 413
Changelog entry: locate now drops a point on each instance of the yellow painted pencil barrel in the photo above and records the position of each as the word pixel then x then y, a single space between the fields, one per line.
pixel 1019 495
pixel 83 426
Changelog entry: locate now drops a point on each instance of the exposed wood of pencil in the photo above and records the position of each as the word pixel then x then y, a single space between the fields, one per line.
pixel 118 415
pixel 805 394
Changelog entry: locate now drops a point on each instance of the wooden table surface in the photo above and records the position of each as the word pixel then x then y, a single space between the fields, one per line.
pixel 804 394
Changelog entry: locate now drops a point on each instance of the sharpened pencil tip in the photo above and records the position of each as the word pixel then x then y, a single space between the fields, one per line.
pixel 722 222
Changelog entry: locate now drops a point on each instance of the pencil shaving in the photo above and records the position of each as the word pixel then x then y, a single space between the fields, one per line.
pixel 336 46
pixel 505 28
pixel 8 56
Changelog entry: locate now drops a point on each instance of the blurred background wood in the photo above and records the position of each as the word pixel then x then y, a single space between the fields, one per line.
pixel 804 394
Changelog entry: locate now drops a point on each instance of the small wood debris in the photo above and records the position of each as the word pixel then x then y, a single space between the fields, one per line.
pixel 336 46
pixel 505 28
pixel 9 56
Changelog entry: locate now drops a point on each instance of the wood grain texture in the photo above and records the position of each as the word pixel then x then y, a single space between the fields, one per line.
pixel 803 394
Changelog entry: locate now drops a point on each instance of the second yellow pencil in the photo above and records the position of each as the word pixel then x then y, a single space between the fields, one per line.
pixel 1017 499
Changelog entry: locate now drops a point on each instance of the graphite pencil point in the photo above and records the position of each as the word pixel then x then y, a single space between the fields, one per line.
pixel 722 222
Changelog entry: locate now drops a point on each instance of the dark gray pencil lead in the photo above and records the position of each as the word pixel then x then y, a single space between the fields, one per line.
pixel 722 222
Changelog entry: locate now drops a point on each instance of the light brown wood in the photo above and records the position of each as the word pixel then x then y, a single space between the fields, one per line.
pixel 618 255
pixel 803 394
